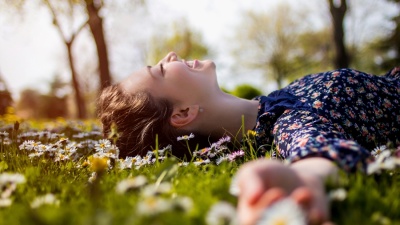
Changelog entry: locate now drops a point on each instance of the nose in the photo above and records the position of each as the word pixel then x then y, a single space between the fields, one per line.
pixel 171 57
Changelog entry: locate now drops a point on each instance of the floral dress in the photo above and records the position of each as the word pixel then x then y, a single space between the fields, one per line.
pixel 340 115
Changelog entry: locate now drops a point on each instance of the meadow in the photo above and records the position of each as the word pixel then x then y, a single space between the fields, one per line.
pixel 64 172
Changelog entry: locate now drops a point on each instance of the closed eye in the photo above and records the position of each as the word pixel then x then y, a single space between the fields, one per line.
pixel 162 69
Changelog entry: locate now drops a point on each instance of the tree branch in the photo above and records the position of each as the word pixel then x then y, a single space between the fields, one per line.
pixel 58 25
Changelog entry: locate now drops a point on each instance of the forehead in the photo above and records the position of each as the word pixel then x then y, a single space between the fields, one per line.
pixel 137 81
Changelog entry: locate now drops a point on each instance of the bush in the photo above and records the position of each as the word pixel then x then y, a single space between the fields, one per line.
pixel 246 91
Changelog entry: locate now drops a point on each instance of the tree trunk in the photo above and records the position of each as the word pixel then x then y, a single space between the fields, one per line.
pixel 338 13
pixel 96 27
pixel 80 102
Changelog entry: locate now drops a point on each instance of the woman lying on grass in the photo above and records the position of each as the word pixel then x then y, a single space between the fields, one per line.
pixel 317 123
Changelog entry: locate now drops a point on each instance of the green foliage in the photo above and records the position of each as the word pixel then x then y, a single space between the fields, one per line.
pixel 185 42
pixel 391 45
pixel 246 91
pixel 372 199
pixel 269 41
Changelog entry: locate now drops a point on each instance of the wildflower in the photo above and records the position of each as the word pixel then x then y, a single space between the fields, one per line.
pixel 221 159
pixel 183 163
pixel 103 145
pixel 11 178
pixel 48 199
pixel 219 144
pixel 251 134
pixel 221 213
pixel 164 151
pixel 185 137
pixel 98 164
pixel 338 194
pixel 81 135
pixel 153 206
pixel 126 163
pixel 383 161
pixel 3 134
pixel 8 183
pixel 6 141
pixel 61 157
pixel 285 212
pixel 5 202
pixel 182 203
pixel 201 162
pixel 157 189
pixel 378 150
pixel 71 147
pixel 92 177
pixel 29 145
pixel 235 155
pixel 223 140
pixel 130 183
pixel 35 154
pixel 203 151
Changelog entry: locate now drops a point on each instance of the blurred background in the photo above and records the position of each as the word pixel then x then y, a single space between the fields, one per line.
pixel 56 55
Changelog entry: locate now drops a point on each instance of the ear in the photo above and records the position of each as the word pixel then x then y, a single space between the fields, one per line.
pixel 182 116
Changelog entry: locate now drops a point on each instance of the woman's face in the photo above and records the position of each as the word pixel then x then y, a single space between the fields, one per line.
pixel 175 79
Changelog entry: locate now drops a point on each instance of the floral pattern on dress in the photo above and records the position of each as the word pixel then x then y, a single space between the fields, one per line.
pixel 345 113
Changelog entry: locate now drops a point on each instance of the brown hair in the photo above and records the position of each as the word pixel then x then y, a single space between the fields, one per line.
pixel 139 117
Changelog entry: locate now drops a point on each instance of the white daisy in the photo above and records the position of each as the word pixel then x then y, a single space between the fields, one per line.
pixel 221 213
pixel 48 199
pixel 3 134
pixel 284 212
pixel 156 189
pixel 153 205
pixel 103 145
pixel 130 183
pixel 339 194
pixel 5 202
pixel 378 150
pixel 185 137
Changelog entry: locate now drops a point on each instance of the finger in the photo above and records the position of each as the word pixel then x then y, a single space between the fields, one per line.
pixel 303 197
pixel 270 197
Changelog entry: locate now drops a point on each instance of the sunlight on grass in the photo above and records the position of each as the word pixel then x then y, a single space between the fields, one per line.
pixel 63 172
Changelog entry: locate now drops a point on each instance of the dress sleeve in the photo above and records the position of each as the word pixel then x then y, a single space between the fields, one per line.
pixel 301 134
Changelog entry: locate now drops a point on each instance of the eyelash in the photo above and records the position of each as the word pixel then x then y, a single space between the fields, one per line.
pixel 162 68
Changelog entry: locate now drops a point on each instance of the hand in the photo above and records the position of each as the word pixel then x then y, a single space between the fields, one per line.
pixel 264 182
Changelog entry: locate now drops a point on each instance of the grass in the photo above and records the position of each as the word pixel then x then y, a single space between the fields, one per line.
pixel 175 193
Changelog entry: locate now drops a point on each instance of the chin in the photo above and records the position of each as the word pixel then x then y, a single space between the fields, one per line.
pixel 210 63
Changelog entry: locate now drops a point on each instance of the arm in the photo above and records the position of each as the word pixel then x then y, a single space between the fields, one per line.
pixel 302 135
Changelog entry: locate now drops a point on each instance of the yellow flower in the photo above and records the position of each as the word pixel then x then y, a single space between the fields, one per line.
pixel 251 133
pixel 98 164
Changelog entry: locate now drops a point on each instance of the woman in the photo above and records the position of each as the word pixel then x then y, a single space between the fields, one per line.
pixel 324 119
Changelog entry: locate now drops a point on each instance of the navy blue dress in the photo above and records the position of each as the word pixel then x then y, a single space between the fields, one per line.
pixel 340 115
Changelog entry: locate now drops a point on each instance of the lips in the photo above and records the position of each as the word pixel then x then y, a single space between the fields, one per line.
pixel 195 63
pixel 192 64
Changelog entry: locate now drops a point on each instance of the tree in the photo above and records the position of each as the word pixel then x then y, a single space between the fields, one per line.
pixel 5 97
pixel 68 42
pixel 185 42
pixel 28 105
pixel 95 22
pixel 33 104
pixel 317 53
pixel 338 10
pixel 268 41
pixel 391 45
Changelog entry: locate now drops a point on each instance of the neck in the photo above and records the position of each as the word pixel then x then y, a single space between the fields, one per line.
pixel 223 116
